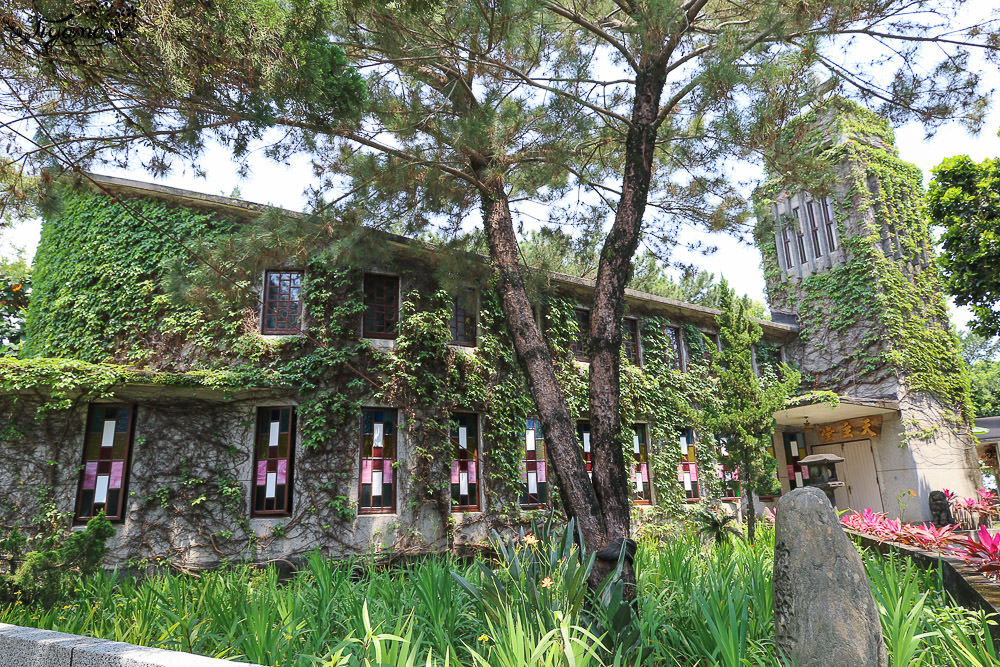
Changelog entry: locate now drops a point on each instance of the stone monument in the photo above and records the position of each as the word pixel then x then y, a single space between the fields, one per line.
pixel 824 613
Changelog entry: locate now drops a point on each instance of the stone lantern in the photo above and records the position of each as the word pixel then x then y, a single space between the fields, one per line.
pixel 823 473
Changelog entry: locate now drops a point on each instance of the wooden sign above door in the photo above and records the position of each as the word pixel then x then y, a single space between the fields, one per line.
pixel 850 429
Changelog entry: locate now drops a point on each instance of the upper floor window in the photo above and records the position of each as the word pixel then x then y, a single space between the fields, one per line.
pixel 381 306
pixel 674 342
pixel 580 344
pixel 463 319
pixel 464 473
pixel 104 479
pixel 282 305
pixel 533 473
pixel 802 248
pixel 273 455
pixel 630 340
pixel 377 490
pixel 642 494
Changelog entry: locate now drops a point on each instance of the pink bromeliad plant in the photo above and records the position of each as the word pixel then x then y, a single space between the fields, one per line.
pixel 983 552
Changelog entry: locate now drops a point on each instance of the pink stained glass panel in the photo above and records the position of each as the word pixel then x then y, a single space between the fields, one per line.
pixel 694 472
pixel 472 472
pixel 680 473
pixel 366 471
pixel 541 471
pixel 282 472
pixel 90 475
pixel 644 469
pixel 117 468
pixel 261 473
pixel 454 472
pixel 387 472
pixel 805 472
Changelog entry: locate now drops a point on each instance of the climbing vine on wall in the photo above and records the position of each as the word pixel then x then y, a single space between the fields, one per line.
pixel 200 331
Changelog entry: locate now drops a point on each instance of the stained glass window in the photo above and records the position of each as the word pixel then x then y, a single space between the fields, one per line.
pixel 630 340
pixel 728 473
pixel 465 466
pixel 534 475
pixel 104 479
pixel 274 453
pixel 795 449
pixel 282 306
pixel 381 306
pixel 583 434
pixel 580 343
pixel 377 490
pixel 642 492
pixel 463 319
pixel 687 469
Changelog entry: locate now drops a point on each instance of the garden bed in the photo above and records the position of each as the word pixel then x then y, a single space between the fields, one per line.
pixel 961 580
pixel 698 603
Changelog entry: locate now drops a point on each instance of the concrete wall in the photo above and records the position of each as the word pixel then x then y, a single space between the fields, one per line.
pixel 31 647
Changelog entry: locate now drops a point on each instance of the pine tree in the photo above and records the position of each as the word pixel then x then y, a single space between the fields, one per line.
pixel 745 400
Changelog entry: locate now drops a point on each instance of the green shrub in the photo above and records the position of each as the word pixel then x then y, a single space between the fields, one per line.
pixel 45 568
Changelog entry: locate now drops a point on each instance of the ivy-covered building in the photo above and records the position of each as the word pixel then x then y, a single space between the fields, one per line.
pixel 229 381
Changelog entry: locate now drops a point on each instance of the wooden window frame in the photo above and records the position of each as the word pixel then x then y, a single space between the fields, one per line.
pixel 633 351
pixel 470 314
pixel 640 459
pixel 385 509
pixel 536 426
pixel 689 464
pixel 126 461
pixel 456 462
pixel 580 345
pixel 365 331
pixel 270 305
pixel 259 435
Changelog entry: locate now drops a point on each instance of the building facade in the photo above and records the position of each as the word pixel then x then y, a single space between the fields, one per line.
pixel 230 382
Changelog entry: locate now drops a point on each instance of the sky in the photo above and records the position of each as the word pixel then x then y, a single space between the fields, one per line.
pixel 283 185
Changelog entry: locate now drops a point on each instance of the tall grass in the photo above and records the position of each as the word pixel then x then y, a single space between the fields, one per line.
pixel 697 604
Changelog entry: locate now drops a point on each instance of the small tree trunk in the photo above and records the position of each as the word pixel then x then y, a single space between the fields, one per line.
pixel 748 490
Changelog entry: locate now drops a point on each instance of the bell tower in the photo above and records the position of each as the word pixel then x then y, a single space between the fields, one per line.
pixel 848 257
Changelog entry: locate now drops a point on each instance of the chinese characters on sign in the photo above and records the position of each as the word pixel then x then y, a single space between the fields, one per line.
pixel 851 429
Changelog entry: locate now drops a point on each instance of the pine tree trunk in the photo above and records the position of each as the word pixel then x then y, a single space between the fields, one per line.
pixel 611 471
pixel 565 456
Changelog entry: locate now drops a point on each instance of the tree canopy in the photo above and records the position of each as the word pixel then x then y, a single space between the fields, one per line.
pixel 964 198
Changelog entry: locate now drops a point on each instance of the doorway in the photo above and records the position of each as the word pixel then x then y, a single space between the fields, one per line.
pixel 861 489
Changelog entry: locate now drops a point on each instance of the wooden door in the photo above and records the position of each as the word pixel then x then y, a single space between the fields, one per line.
pixel 862 479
